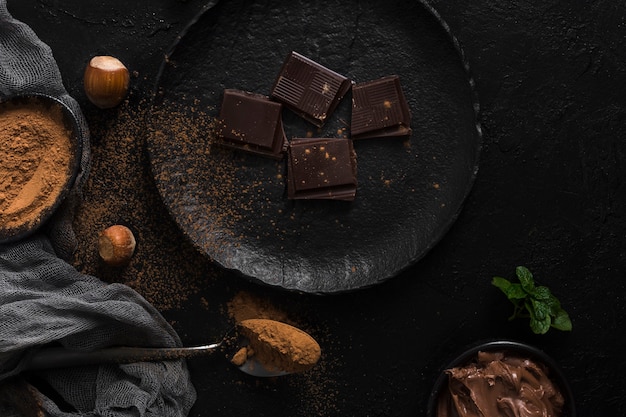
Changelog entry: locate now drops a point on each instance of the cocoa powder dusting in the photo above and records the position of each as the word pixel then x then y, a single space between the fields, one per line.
pixel 35 161
pixel 120 190
pixel 245 306
pixel 19 398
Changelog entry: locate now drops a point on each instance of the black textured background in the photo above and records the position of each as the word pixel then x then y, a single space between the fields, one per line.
pixel 549 195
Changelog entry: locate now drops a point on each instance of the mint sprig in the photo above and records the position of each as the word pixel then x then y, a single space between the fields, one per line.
pixel 534 302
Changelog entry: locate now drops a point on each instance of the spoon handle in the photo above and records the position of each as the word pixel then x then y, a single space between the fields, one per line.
pixel 58 357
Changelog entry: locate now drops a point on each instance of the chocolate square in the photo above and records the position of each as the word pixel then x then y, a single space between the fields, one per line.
pixel 252 123
pixel 379 109
pixel 309 89
pixel 321 168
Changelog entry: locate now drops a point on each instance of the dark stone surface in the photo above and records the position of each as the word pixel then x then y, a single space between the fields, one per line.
pixel 550 195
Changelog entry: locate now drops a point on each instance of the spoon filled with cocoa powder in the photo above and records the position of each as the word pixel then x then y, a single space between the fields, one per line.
pixel 258 347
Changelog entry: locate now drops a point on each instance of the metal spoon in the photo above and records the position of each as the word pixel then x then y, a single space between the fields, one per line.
pixel 233 342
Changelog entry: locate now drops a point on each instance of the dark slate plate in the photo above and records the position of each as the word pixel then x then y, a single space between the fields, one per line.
pixel 234 206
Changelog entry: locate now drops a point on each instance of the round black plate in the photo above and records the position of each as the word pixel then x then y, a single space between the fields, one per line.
pixel 234 206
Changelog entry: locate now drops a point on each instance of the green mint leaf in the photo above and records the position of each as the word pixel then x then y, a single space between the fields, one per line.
pixel 534 302
pixel 554 304
pixel 540 310
pixel 513 291
pixel 539 320
pixel 543 294
pixel 540 326
pixel 561 321
pixel 501 283
pixel 525 278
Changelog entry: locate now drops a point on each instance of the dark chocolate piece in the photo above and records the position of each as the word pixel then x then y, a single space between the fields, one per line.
pixel 379 109
pixel 309 89
pixel 321 168
pixel 251 122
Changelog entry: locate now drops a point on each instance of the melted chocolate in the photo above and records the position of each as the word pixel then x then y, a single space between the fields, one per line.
pixel 498 385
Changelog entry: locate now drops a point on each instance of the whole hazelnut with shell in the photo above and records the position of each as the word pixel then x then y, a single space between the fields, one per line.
pixel 106 81
pixel 116 245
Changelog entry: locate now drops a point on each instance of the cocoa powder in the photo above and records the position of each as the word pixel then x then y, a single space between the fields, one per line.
pixel 279 346
pixel 120 190
pixel 245 306
pixel 320 389
pixel 35 160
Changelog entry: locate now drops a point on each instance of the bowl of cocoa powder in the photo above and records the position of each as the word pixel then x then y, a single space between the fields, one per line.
pixel 501 378
pixel 40 150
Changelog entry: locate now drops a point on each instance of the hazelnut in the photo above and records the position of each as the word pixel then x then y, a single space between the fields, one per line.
pixel 116 245
pixel 106 81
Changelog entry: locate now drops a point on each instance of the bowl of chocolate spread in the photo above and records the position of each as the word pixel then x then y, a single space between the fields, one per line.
pixel 40 150
pixel 502 379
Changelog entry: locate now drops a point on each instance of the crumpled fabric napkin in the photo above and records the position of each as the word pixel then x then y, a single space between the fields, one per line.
pixel 43 299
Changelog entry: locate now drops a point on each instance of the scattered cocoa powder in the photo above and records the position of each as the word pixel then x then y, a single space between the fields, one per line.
pixel 35 161
pixel 223 200
pixel 120 190
pixel 245 306
pixel 20 398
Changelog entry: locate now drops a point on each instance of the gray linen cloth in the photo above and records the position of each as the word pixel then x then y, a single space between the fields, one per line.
pixel 44 300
